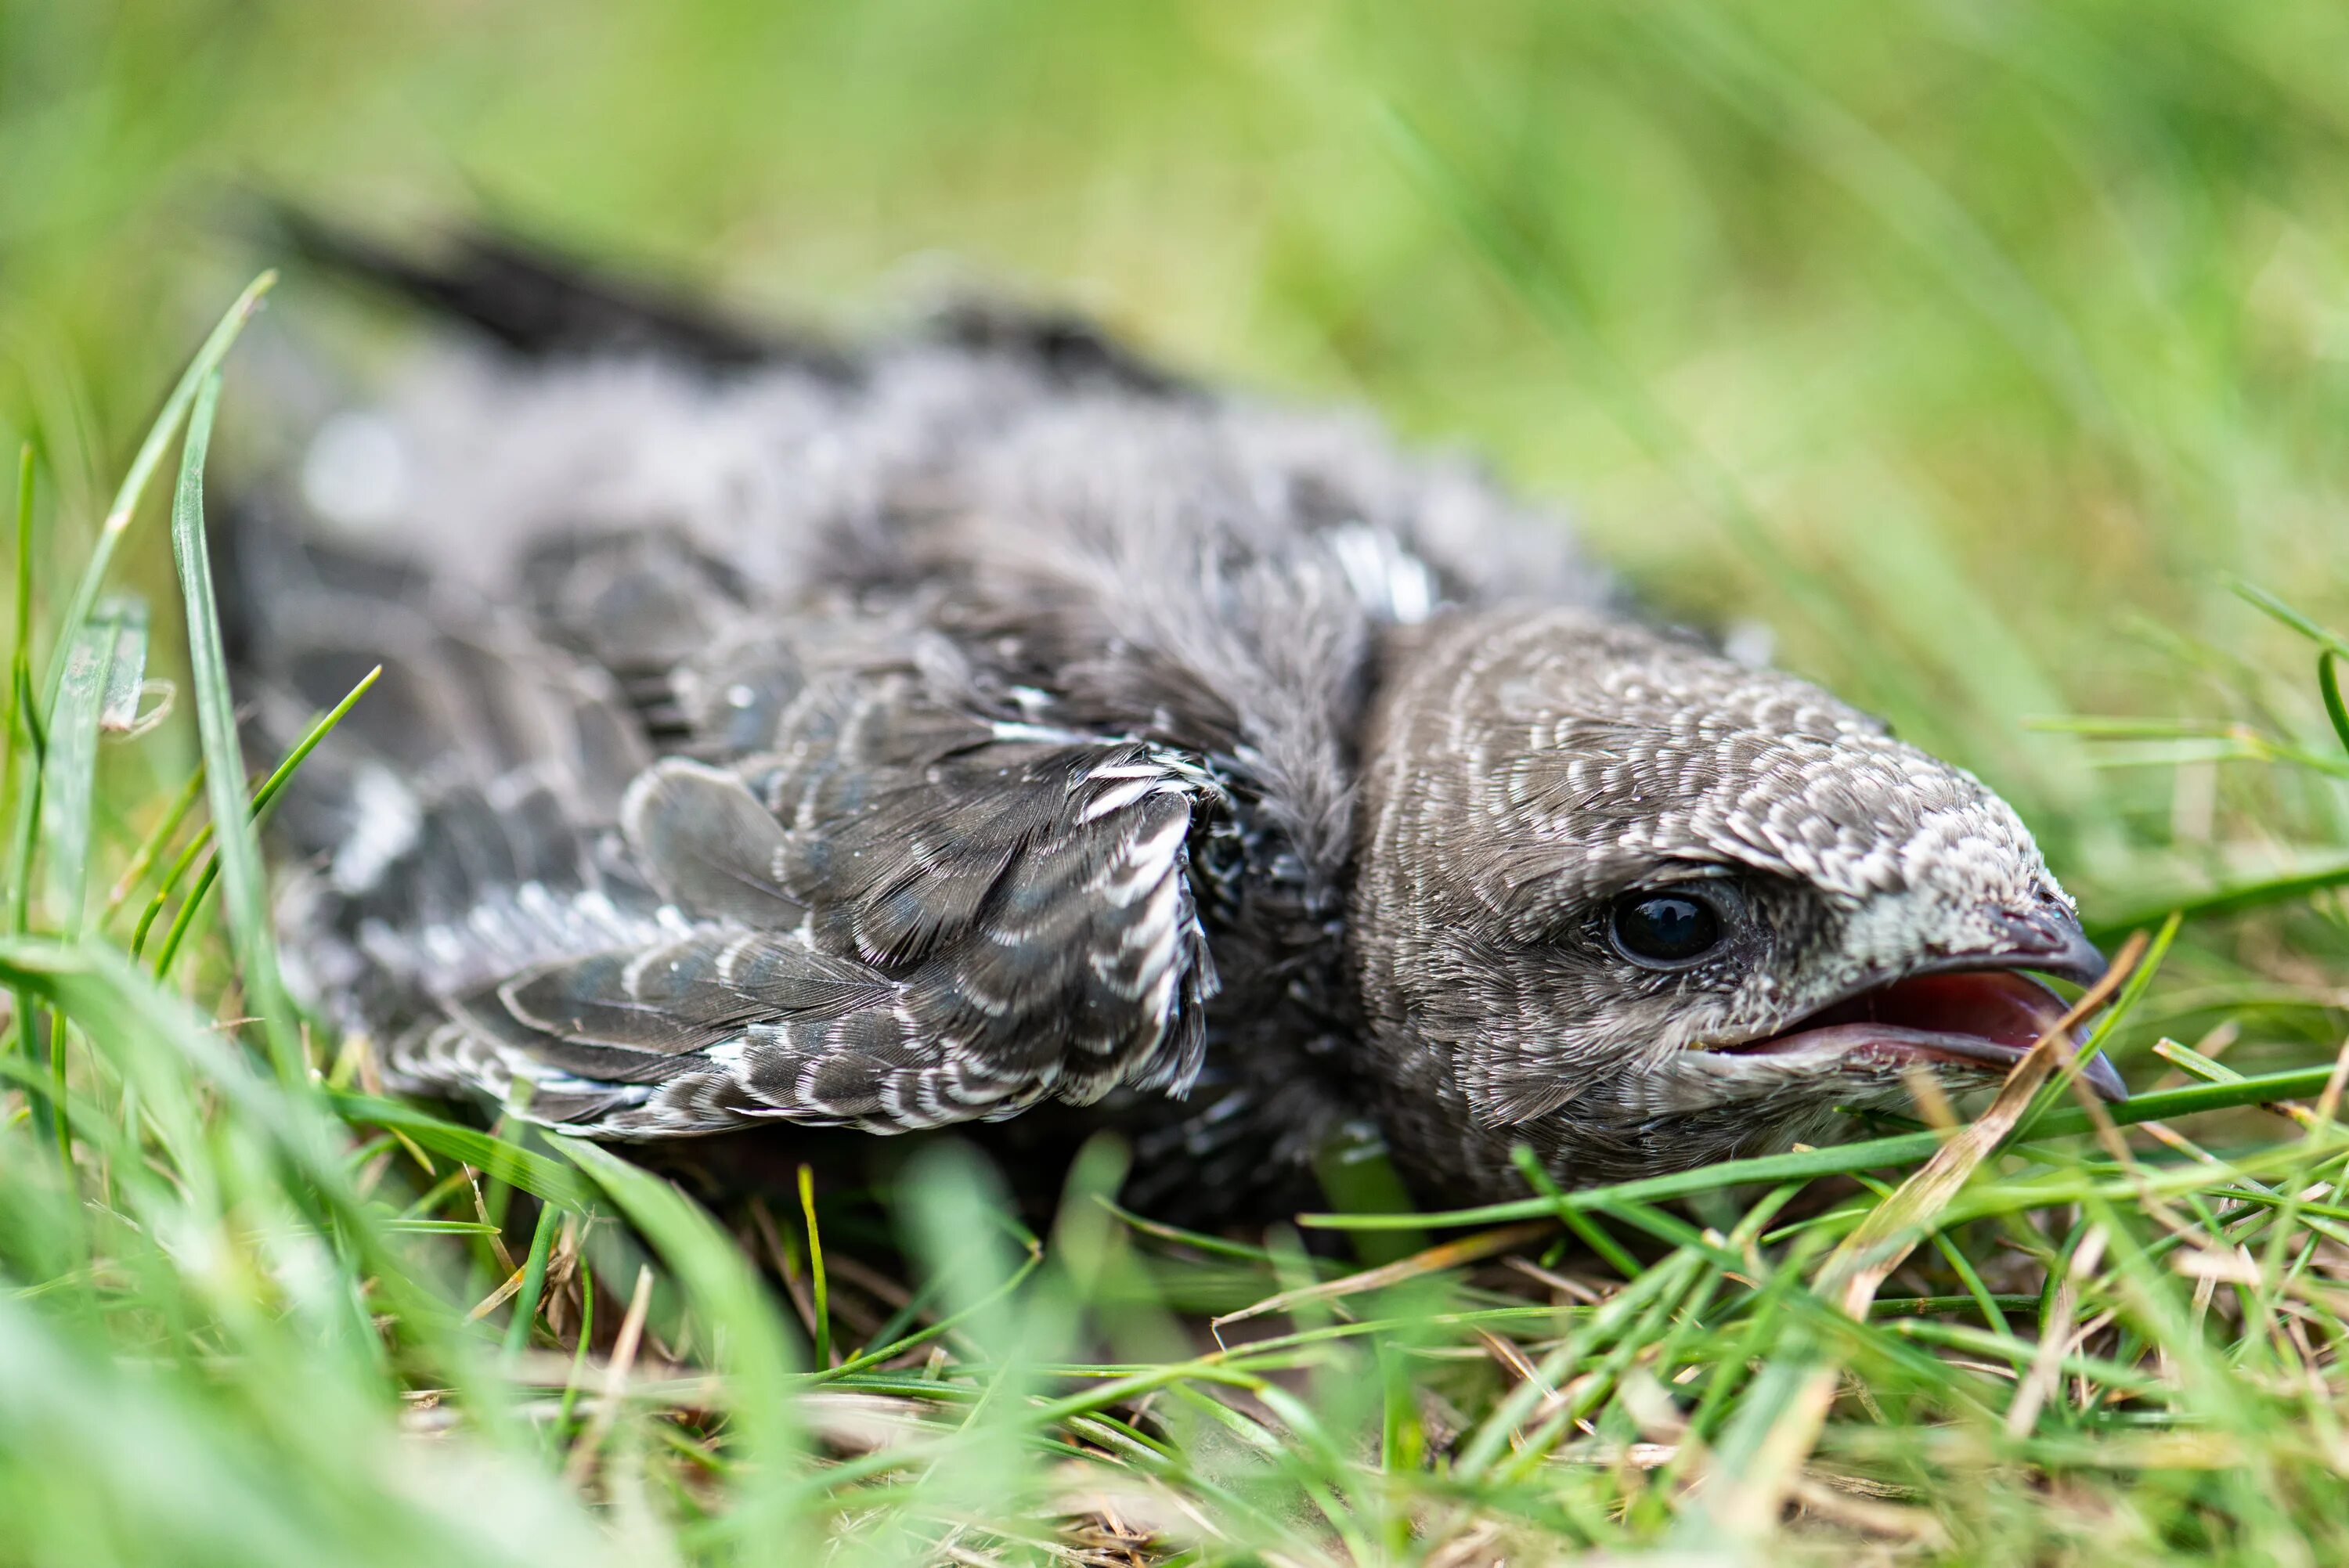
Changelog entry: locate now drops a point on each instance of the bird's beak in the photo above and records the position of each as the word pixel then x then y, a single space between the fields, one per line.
pixel 1969 1007
pixel 2049 939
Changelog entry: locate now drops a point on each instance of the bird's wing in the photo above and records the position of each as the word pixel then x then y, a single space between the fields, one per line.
pixel 895 914
pixel 1016 926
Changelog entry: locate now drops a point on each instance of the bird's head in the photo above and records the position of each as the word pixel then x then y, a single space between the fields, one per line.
pixel 1640 907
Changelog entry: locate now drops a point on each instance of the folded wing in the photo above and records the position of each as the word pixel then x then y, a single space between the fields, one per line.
pixel 897 913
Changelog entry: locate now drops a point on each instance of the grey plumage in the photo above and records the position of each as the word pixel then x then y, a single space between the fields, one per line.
pixel 917 736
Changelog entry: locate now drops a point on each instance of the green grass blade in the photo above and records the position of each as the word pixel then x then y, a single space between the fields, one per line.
pixel 20 622
pixel 263 797
pixel 236 848
pixel 20 783
pixel 176 408
pixel 819 1283
pixel 1902 1148
pixel 70 768
pixel 534 1280
pixel 68 790
pixel 2283 613
pixel 2328 684
pixel 84 598
pixel 167 827
pixel 2231 898
pixel 547 1180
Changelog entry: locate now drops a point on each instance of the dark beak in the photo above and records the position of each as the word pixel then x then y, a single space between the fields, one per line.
pixel 2049 939
pixel 1969 1007
pixel 2104 1078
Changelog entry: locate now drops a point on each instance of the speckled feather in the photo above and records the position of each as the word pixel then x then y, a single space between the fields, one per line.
pixel 909 738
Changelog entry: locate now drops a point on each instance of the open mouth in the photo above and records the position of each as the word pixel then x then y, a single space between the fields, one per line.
pixel 1984 1018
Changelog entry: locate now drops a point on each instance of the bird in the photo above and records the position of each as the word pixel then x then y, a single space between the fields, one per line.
pixel 980 726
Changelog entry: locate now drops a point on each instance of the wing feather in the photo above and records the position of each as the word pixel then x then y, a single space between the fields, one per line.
pixel 983 919
pixel 707 844
pixel 899 912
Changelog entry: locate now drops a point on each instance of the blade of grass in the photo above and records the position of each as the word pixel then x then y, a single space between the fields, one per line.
pixel 20 621
pixel 68 790
pixel 2275 608
pixel 181 865
pixel 817 1281
pixel 1445 1255
pixel 70 768
pixel 1857 1268
pixel 544 1179
pixel 117 522
pixel 126 674
pixel 235 848
pixel 2328 684
pixel 25 791
pixel 1593 1236
pixel 2234 898
pixel 165 828
pixel 1841 1159
pixel 176 408
pixel 2145 958
pixel 892 1341
pixel 261 799
pixel 283 1155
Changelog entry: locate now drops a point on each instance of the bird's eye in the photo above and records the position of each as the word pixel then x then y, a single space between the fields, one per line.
pixel 1664 930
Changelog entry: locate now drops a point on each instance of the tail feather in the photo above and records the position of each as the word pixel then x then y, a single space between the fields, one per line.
pixel 534 302
pixel 537 303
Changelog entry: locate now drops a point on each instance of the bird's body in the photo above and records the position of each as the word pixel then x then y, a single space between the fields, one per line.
pixel 987 721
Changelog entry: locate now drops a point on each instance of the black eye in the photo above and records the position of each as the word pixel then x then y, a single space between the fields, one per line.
pixel 1664 930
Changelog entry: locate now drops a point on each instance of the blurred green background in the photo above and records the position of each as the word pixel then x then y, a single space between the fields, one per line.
pixel 1968 346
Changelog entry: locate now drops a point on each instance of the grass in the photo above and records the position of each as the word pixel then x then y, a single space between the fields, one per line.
pixel 1993 358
